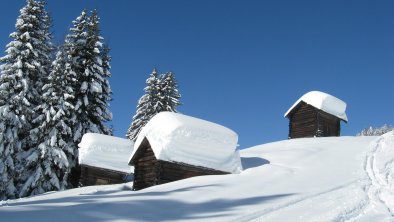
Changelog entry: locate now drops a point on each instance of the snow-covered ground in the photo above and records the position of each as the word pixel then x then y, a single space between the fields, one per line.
pixel 316 179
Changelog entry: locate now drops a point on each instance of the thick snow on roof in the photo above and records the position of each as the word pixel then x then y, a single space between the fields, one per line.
pixel 179 138
pixel 323 101
pixel 105 151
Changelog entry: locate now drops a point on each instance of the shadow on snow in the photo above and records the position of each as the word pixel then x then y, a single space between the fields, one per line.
pixel 129 205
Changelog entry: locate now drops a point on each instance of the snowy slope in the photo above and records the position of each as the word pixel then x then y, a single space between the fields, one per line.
pixel 315 179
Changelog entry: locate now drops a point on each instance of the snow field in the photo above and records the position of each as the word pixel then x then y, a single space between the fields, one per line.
pixel 315 179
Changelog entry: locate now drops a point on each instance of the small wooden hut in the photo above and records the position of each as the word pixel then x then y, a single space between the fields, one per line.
pixel 104 160
pixel 173 146
pixel 316 114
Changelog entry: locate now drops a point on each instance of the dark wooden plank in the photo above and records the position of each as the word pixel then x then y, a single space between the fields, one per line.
pixel 95 176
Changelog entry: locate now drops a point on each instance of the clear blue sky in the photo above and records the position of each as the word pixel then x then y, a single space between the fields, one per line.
pixel 242 64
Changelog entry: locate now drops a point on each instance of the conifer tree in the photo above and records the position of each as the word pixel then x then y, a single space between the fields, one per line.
pixel 170 93
pixel 90 62
pixel 88 58
pixel 23 70
pixel 49 162
pixel 146 107
pixel 161 94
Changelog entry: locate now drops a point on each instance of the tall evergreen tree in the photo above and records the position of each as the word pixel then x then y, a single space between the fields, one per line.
pixel 74 47
pixel 88 58
pixel 161 94
pixel 170 94
pixel 49 162
pixel 90 62
pixel 23 70
pixel 146 106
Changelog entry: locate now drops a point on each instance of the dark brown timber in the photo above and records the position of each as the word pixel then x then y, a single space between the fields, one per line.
pixel 308 121
pixel 91 175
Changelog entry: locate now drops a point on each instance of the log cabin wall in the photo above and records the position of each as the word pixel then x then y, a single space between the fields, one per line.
pixel 169 171
pixel 328 125
pixel 307 121
pixel 145 167
pixel 91 175
pixel 302 121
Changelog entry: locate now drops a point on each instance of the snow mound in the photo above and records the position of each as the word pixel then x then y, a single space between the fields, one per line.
pixel 323 101
pixel 179 138
pixel 105 152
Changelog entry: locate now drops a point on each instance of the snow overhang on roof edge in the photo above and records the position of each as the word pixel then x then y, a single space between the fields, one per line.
pixel 323 101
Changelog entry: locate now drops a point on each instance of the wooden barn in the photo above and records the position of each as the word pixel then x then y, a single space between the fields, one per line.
pixel 104 160
pixel 316 114
pixel 173 146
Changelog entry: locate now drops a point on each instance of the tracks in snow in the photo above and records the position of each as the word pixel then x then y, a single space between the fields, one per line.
pixel 354 200
pixel 380 169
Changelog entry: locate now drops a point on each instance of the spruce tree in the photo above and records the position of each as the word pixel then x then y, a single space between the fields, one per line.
pixel 146 107
pixel 89 59
pixel 170 94
pixel 90 62
pixel 161 94
pixel 23 70
pixel 49 162
pixel 73 48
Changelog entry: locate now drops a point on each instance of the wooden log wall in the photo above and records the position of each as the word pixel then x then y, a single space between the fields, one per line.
pixel 170 171
pixel 303 121
pixel 307 121
pixel 91 175
pixel 328 124
pixel 145 168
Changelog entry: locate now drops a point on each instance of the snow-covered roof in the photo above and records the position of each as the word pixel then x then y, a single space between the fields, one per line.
pixel 179 138
pixel 323 101
pixel 105 152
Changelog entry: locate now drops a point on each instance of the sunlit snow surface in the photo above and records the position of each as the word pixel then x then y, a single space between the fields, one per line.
pixel 176 137
pixel 315 179
pixel 104 151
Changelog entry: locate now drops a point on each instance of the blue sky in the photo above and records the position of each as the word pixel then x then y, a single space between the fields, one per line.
pixel 242 64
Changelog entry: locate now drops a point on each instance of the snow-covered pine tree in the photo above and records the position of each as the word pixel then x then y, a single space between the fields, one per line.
pixel 147 106
pixel 23 70
pixel 48 163
pixel 161 94
pixel 94 92
pixel 89 59
pixel 90 62
pixel 73 48
pixel 170 93
pixel 376 131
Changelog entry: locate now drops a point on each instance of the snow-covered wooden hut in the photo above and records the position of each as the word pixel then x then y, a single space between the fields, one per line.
pixel 173 146
pixel 316 114
pixel 104 159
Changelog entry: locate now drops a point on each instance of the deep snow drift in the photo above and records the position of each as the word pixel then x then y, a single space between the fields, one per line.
pixel 316 179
